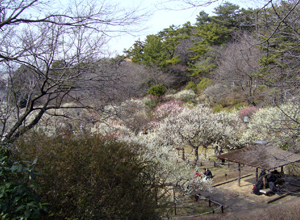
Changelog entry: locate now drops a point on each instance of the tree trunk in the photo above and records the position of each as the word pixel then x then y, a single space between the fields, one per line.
pixel 196 154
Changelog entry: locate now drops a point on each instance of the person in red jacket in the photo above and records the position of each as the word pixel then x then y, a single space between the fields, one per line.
pixel 196 175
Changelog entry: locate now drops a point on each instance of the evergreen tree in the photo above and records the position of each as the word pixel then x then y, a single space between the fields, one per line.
pixel 280 44
pixel 202 18
pixel 203 53
pixel 226 15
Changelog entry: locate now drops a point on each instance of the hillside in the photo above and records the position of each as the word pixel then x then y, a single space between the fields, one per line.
pixel 236 57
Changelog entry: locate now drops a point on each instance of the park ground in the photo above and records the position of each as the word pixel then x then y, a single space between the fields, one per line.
pixel 237 199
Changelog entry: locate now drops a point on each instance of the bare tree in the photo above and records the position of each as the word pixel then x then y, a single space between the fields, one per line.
pixel 140 78
pixel 183 4
pixel 279 42
pixel 52 56
pixel 239 65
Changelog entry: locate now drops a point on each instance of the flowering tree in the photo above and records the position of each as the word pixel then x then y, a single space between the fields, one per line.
pixel 130 114
pixel 247 111
pixel 278 125
pixel 231 130
pixel 168 108
pixel 174 172
pixel 184 95
pixel 199 126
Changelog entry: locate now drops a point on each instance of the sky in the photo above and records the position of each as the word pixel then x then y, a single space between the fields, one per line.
pixel 163 19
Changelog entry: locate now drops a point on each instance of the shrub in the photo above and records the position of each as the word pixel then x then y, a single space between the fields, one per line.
pixel 18 199
pixel 157 90
pixel 185 95
pixel 239 105
pixel 222 102
pixel 92 177
pixel 217 109
pixel 151 101
pixel 204 83
pixel 192 86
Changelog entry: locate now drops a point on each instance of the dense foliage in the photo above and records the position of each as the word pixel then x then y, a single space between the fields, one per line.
pixel 92 177
pixel 157 90
pixel 18 197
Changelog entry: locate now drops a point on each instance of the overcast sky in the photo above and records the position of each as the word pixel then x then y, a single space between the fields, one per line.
pixel 163 19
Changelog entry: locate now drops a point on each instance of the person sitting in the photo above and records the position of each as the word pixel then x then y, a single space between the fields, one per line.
pixel 262 174
pixel 258 185
pixel 272 182
pixel 207 173
pixel 196 175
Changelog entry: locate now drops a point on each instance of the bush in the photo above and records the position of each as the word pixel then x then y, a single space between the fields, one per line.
pixel 217 109
pixel 151 101
pixel 239 105
pixel 92 177
pixel 192 86
pixel 18 199
pixel 157 90
pixel 222 102
pixel 205 82
pixel 184 95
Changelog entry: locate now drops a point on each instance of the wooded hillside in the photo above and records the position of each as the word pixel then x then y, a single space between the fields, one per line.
pixel 235 57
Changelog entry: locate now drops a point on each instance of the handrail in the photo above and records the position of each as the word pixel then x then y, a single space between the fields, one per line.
pixel 205 213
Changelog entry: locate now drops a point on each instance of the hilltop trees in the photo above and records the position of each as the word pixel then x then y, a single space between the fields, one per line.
pixel 190 50
pixel 160 49
pixel 203 54
pixel 259 46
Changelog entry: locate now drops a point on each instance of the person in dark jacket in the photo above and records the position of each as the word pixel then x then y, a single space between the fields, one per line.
pixel 258 185
pixel 262 173
pixel 272 182
pixel 207 173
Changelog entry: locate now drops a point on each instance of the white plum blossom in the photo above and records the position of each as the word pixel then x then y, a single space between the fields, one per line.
pixel 114 110
pixel 173 171
pixel 231 129
pixel 277 125
pixel 199 126
pixel 131 114
pixel 184 95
